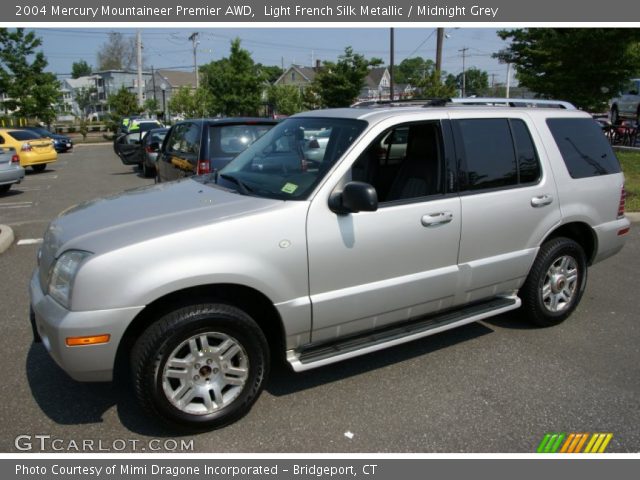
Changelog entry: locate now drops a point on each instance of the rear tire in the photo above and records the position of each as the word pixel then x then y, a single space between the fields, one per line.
pixel 555 283
pixel 4 188
pixel 201 366
pixel 39 168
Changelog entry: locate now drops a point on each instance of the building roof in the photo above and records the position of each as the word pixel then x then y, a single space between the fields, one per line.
pixel 176 78
pixel 374 77
pixel 308 73
pixel 81 82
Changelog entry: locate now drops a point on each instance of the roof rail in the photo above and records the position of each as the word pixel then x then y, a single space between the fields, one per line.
pixel 480 101
pixel 513 102
pixel 404 102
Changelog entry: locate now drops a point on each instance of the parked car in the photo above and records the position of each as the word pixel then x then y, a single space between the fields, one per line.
pixel 128 143
pixel 627 105
pixel 198 284
pixel 151 146
pixel 33 150
pixel 61 143
pixel 10 170
pixel 194 147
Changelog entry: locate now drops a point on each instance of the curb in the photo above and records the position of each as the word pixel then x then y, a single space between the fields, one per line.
pixel 633 216
pixel 6 237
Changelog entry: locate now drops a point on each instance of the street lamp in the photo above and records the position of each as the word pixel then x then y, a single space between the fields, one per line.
pixel 163 87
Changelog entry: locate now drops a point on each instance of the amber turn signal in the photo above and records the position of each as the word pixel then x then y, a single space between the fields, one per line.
pixel 92 340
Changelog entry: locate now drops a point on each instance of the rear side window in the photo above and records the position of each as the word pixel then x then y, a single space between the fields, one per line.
pixel 584 148
pixel 489 154
pixel 24 135
pixel 230 140
pixel 185 139
pixel 496 153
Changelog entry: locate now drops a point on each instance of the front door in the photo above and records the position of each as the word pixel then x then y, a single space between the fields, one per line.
pixel 371 269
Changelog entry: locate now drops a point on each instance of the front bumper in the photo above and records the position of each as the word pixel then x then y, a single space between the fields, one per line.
pixel 53 324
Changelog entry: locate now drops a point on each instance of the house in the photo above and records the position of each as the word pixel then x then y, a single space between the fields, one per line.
pixel 165 82
pixel 299 76
pixel 377 84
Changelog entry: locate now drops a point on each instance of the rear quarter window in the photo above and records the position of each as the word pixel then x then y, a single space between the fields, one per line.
pixel 584 148
pixel 24 135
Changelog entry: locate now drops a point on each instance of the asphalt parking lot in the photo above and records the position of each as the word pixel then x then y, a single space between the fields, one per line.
pixel 495 386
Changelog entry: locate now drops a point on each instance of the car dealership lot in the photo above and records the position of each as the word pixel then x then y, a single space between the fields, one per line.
pixel 496 386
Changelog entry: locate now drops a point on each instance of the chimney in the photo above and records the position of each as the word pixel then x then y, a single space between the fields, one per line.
pixel 317 64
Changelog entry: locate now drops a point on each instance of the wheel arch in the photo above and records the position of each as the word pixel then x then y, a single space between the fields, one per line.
pixel 581 233
pixel 255 303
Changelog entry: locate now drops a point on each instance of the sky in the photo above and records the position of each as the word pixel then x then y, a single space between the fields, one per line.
pixel 170 47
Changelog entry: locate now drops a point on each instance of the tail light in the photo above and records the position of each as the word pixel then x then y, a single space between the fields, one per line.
pixel 623 196
pixel 15 158
pixel 26 147
pixel 204 166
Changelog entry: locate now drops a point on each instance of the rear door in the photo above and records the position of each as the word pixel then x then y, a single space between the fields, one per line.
pixel 508 202
pixel 129 148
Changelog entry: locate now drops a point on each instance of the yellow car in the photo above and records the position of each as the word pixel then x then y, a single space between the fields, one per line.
pixel 33 150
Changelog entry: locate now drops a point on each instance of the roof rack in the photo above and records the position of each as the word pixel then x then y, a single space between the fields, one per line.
pixel 479 101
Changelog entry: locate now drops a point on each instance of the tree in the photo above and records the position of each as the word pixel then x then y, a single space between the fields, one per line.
pixel 338 84
pixel 270 73
pixel 117 53
pixel 413 70
pixel 286 99
pixel 80 69
pixel 30 90
pixel 585 66
pixel 122 104
pixel 84 97
pixel 475 81
pixel 432 86
pixel 151 106
pixel 234 82
pixel 191 103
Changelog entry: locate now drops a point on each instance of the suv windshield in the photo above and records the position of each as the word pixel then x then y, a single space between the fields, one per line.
pixel 288 161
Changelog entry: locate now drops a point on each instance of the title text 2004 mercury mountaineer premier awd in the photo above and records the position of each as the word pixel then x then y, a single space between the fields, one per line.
pixel 335 234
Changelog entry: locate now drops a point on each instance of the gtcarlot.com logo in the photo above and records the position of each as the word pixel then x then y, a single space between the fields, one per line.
pixel 49 443
pixel 574 443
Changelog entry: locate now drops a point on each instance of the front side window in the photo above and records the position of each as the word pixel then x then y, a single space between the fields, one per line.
pixel 283 163
pixel 404 163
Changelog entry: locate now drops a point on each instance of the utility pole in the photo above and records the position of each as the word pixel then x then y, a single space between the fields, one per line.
pixel 493 79
pixel 439 43
pixel 139 55
pixel 194 41
pixel 153 82
pixel 508 79
pixel 391 64
pixel 464 72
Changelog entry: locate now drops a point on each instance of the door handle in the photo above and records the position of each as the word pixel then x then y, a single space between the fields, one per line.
pixel 436 218
pixel 541 201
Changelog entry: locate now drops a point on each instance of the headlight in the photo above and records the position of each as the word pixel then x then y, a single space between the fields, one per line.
pixel 63 274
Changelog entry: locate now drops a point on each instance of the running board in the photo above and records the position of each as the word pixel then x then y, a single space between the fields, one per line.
pixel 343 349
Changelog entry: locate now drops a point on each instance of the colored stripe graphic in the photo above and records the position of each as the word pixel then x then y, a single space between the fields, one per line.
pixel 574 443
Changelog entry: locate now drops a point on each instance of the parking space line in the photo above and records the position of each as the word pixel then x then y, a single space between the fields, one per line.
pixel 29 241
pixel 41 177
pixel 16 205
pixel 33 189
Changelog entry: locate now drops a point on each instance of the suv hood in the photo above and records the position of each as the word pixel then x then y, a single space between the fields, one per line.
pixel 137 215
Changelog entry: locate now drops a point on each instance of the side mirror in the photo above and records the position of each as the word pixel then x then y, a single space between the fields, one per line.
pixel 355 197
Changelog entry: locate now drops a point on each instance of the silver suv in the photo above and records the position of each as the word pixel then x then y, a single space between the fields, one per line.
pixel 408 221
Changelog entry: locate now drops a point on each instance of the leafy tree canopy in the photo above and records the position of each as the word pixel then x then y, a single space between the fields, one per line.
pixel 80 69
pixel 117 53
pixel 585 66
pixel 30 90
pixel 476 81
pixel 338 84
pixel 191 103
pixel 122 104
pixel 286 99
pixel 413 70
pixel 234 82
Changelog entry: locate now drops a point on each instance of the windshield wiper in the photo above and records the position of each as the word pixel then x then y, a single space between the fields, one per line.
pixel 243 188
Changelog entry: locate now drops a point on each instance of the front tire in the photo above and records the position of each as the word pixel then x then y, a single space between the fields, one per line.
pixel 555 283
pixel 201 366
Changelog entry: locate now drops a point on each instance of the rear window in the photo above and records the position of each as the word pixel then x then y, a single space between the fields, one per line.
pixel 584 148
pixel 230 140
pixel 24 135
